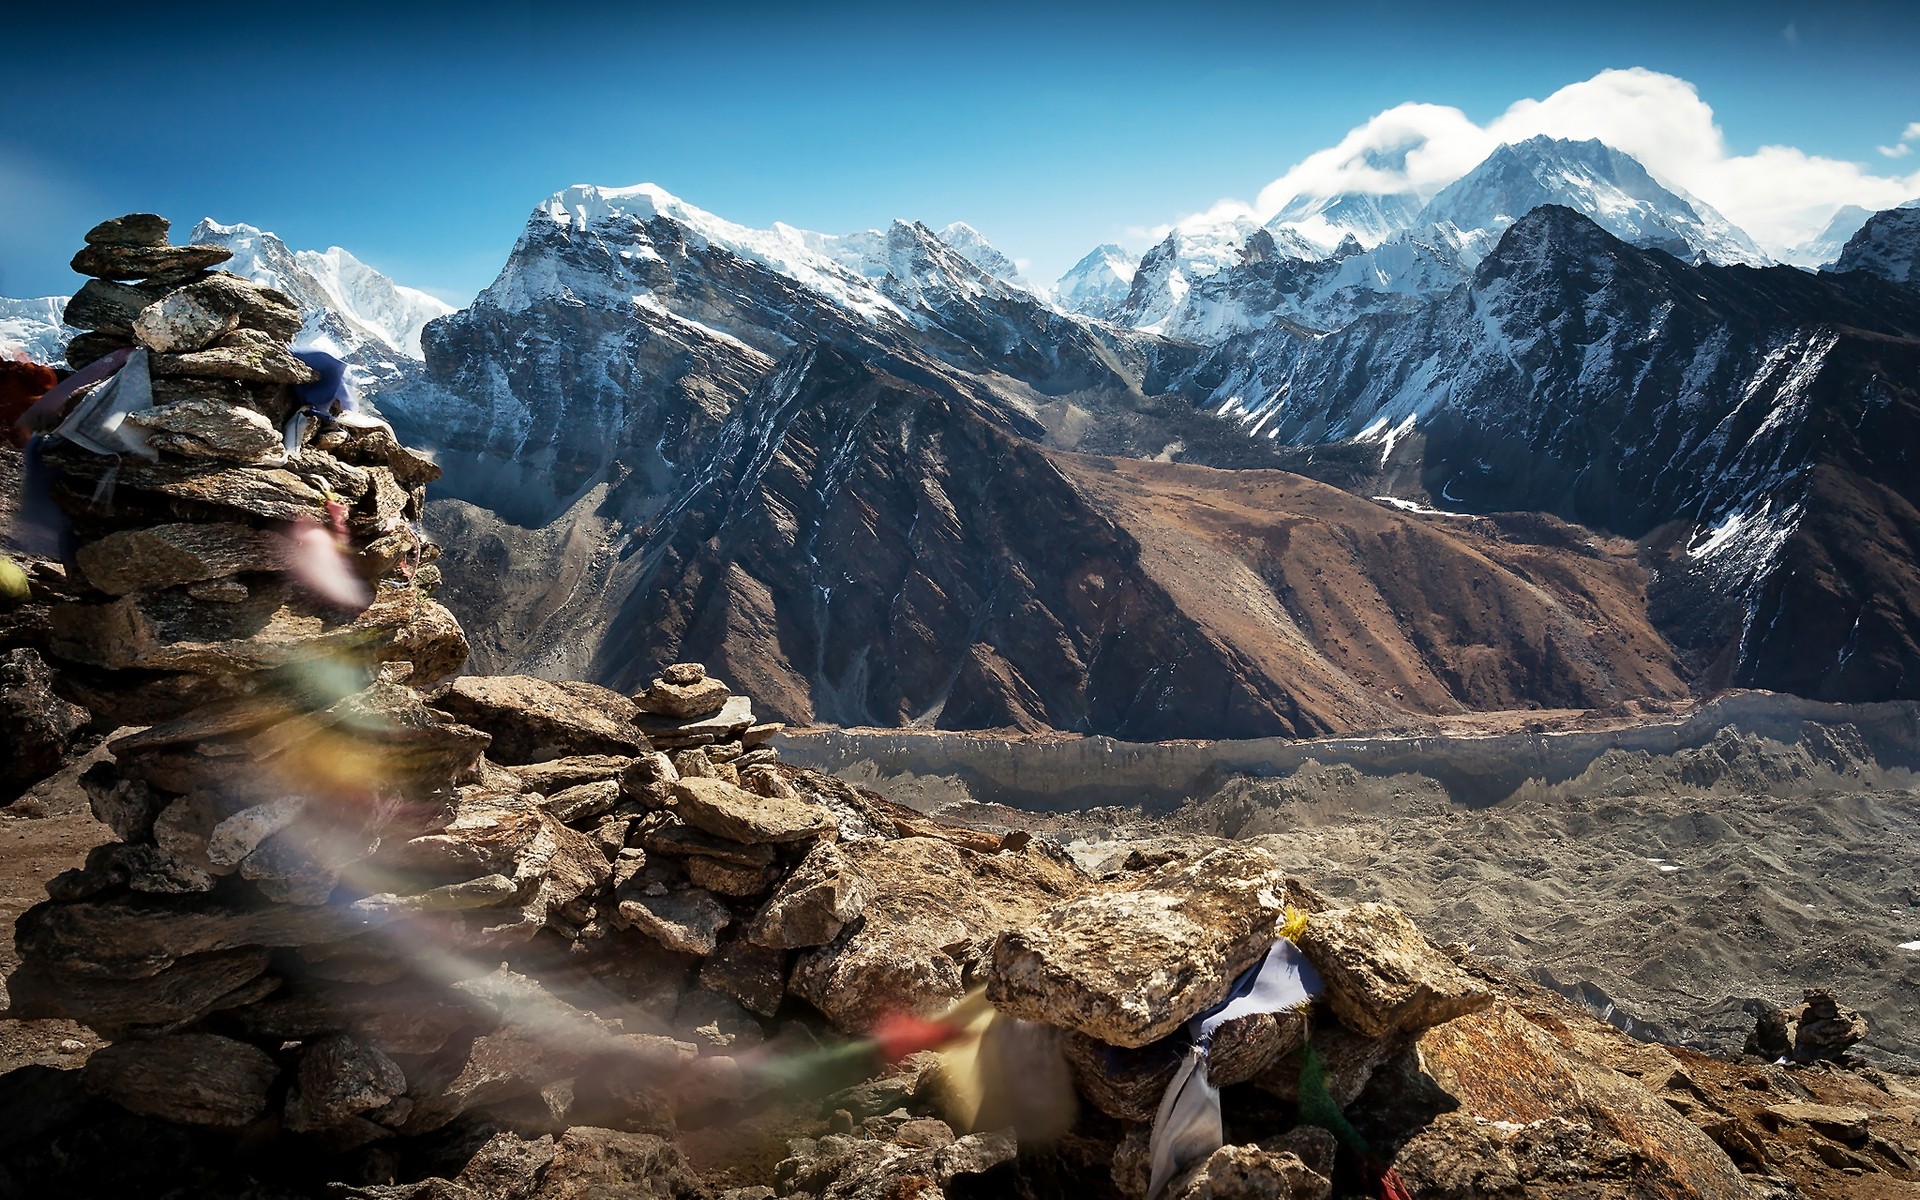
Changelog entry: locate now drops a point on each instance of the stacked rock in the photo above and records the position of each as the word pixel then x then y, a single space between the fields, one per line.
pixel 287 742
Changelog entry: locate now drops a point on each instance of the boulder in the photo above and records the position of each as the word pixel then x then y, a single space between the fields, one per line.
pixel 134 229
pixel 340 1077
pixel 726 811
pixel 181 321
pixel 1131 962
pixel 813 904
pixel 928 898
pixel 1823 1030
pixel 755 976
pixel 1382 975
pixel 533 720
pixel 102 305
pixel 193 1078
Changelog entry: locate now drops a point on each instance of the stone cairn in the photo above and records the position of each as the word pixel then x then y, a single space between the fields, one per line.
pixel 355 903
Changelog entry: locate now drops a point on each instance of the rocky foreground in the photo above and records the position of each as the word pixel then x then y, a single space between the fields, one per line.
pixel 366 929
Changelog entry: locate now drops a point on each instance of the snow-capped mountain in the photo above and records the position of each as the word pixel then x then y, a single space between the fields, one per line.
pixel 628 323
pixel 1098 284
pixel 1186 255
pixel 1773 417
pixel 1887 244
pixel 973 246
pixel 351 309
pixel 1825 246
pixel 1327 220
pixel 32 329
pixel 1608 187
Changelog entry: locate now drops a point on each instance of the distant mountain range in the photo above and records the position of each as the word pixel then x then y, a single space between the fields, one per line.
pixel 883 478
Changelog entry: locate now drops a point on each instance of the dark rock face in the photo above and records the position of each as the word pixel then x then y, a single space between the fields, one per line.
pixel 1755 426
pixel 40 728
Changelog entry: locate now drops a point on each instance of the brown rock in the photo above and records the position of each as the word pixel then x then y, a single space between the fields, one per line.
pixel 270 492
pixel 595 1164
pixel 813 904
pixel 683 674
pixel 1128 1083
pixel 730 812
pixel 125 260
pixel 561 773
pixel 730 720
pixel 686 922
pixel 163 556
pixel 109 307
pixel 134 229
pixel 584 801
pixel 194 1078
pixel 1823 1029
pixel 1382 975
pixel 1251 1173
pixel 244 354
pixel 726 879
pixel 698 698
pixel 341 1077
pixel 87 347
pixel 189 989
pixel 210 429
pixel 755 976
pixel 928 896
pixel 1132 962
pixel 535 719
pixel 41 728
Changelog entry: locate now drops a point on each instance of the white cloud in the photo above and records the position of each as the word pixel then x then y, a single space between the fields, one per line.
pixel 1903 147
pixel 1899 151
pixel 1779 194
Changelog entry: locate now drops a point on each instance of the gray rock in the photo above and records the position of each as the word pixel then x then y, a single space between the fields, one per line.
pixel 1131 962
pixel 755 976
pixel 340 1077
pixel 182 321
pixel 194 1078
pixel 733 717
pixel 41 728
pixel 813 904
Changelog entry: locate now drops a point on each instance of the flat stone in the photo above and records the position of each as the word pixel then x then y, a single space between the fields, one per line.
pixel 673 838
pixel 193 1078
pixel 189 989
pixel 738 815
pixel 134 229
pixel 1131 962
pixel 163 556
pixel 484 892
pixel 236 837
pixel 814 903
pixel 561 773
pixel 1382 975
pixel 1836 1121
pixel 270 492
pixel 688 922
pixel 734 716
pixel 535 719
pixel 210 429
pixel 245 302
pixel 700 698
pixel 584 801
pixel 244 354
pixel 122 260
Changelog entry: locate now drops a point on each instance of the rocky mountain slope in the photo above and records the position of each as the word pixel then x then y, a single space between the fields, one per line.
pixel 1887 244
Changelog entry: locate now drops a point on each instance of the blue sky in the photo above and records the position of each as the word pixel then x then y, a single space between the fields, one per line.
pixel 419 137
